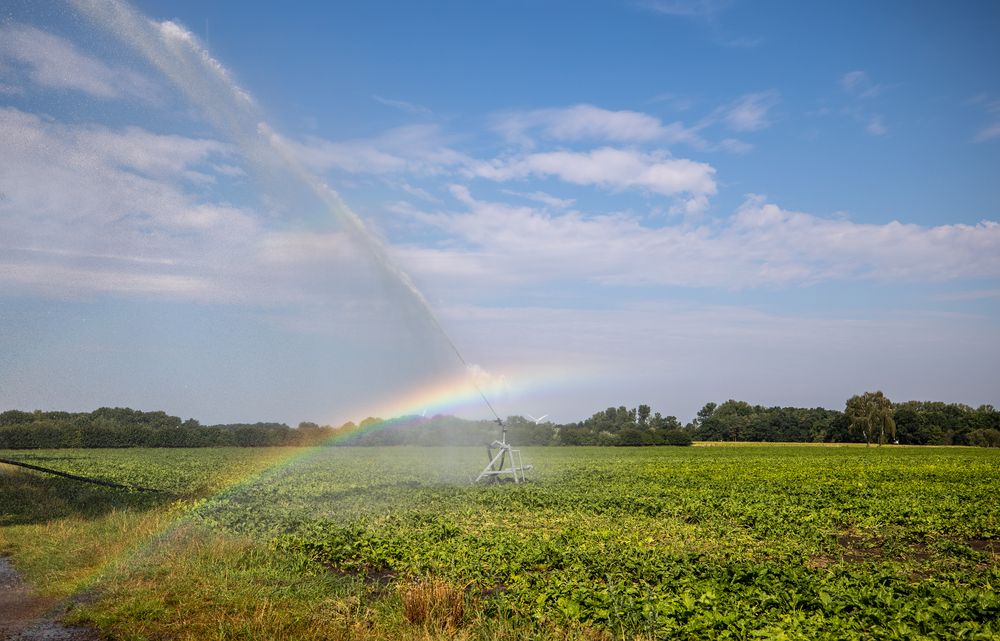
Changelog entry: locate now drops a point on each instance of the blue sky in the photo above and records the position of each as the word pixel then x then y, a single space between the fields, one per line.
pixel 669 202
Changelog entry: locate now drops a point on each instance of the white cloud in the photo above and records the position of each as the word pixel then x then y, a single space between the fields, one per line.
pixel 676 102
pixel 977 294
pixel 992 108
pixel 876 125
pixel 706 9
pixel 419 192
pixel 824 248
pixel 587 122
pixel 705 12
pixel 71 172
pixel 61 280
pixel 110 205
pixel 609 168
pixel 417 149
pixel 54 62
pixel 741 42
pixel 760 245
pixel 734 146
pixel 988 133
pixel 860 84
pixel 402 105
pixel 425 149
pixel 115 207
pixel 860 87
pixel 544 198
pixel 750 112
pixel 87 209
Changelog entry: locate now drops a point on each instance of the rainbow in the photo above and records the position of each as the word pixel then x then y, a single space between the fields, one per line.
pixel 444 394
pixel 462 394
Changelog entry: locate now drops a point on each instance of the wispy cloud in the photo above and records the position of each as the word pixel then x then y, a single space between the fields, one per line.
pixel 759 245
pixel 988 133
pixel 992 108
pixel 584 122
pixel 402 105
pixel 88 171
pixel 10 90
pixel 587 122
pixel 544 198
pixel 862 89
pixel 674 101
pixel 859 84
pixel 610 168
pixel 706 12
pixel 706 9
pixel 78 197
pixel 55 63
pixel 89 209
pixel 418 192
pixel 116 207
pixel 976 294
pixel 427 149
pixel 418 149
pixel 876 125
pixel 750 112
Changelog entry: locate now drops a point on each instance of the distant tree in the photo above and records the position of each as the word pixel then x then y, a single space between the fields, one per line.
pixel 660 422
pixel 674 437
pixel 871 414
pixel 705 412
pixel 984 438
pixel 632 437
pixel 643 416
pixel 731 421
pixel 15 417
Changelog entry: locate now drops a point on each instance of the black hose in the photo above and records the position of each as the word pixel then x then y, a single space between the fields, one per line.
pixel 82 479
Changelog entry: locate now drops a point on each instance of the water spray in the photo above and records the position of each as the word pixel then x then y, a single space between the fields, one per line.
pixel 178 54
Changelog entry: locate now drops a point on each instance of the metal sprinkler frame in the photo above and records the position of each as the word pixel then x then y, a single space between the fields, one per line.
pixel 498 453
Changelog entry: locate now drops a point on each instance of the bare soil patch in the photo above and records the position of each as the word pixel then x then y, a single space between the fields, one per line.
pixel 25 616
pixel 986 546
pixel 852 548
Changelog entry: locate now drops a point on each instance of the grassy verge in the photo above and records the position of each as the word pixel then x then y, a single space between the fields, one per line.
pixel 199 584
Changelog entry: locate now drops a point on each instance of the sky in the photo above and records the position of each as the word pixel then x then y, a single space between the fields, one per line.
pixel 259 211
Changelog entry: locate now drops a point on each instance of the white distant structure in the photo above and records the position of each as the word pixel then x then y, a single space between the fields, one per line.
pixel 539 419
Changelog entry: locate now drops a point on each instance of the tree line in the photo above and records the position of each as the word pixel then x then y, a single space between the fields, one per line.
pixel 869 417
pixel 125 427
pixel 865 419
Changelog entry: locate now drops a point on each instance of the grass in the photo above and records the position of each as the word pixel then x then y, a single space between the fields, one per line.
pixel 139 566
pixel 199 584
pixel 392 543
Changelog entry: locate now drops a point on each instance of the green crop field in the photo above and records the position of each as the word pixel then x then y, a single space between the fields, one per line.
pixel 789 542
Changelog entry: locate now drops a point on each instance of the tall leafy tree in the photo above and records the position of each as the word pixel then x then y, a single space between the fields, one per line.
pixel 642 419
pixel 871 414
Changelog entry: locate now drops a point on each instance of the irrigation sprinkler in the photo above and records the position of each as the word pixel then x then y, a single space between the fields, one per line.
pixel 504 461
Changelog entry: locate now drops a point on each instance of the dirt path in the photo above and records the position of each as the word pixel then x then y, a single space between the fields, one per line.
pixel 27 617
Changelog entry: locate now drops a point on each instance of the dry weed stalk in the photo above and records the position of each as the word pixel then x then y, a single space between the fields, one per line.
pixel 431 601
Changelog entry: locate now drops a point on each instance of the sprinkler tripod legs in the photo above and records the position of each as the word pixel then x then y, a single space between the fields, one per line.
pixel 504 462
